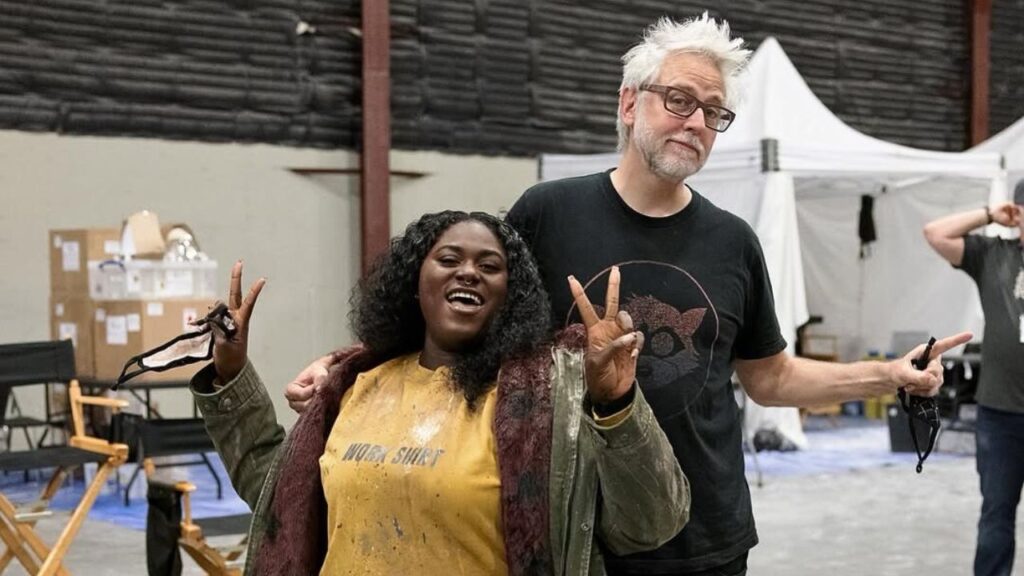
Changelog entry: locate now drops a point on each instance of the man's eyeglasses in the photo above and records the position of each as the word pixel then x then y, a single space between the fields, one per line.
pixel 683 104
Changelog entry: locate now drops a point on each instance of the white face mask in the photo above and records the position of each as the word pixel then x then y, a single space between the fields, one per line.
pixel 187 348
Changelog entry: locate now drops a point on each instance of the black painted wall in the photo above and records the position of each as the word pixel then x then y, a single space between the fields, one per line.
pixel 1007 86
pixel 514 77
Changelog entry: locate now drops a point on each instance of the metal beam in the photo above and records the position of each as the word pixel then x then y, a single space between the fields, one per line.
pixel 315 171
pixel 981 28
pixel 374 162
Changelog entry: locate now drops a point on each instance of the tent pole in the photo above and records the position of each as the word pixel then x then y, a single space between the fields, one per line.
pixel 769 155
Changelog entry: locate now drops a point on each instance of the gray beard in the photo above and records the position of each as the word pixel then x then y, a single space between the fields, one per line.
pixel 667 170
pixel 660 163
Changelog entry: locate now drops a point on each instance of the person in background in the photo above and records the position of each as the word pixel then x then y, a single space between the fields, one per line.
pixel 456 438
pixel 997 267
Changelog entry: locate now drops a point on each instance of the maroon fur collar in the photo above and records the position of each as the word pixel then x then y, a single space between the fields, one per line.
pixel 296 538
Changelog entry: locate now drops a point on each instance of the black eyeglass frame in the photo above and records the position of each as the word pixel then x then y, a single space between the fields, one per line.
pixel 724 114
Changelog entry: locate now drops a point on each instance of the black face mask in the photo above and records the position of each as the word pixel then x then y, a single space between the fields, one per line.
pixel 923 410
pixel 182 350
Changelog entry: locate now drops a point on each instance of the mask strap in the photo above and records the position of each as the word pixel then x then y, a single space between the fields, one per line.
pixel 921 405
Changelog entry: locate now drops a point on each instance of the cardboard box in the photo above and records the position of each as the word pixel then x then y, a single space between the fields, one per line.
pixel 125 328
pixel 141 236
pixel 70 254
pixel 72 318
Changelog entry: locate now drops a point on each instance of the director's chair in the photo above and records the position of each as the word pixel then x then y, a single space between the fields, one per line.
pixel 191 533
pixel 52 362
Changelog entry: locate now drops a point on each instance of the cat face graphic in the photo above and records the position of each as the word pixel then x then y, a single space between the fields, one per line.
pixel 669 352
pixel 680 326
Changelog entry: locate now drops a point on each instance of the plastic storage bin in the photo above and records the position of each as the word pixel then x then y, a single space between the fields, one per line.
pixel 152 279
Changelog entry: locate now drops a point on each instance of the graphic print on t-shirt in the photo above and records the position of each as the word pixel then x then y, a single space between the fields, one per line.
pixel 675 362
pixel 410 476
pixel 401 456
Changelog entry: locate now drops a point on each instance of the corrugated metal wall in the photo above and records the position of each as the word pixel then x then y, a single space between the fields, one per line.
pixel 205 70
pixel 1007 86
pixel 511 77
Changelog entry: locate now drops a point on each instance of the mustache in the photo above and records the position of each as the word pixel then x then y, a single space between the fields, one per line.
pixel 689 140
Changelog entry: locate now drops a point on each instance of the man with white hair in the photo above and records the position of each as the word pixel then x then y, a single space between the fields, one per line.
pixel 997 266
pixel 694 281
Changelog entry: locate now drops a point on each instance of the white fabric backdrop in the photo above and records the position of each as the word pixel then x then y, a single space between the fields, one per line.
pixel 900 286
pixel 1010 145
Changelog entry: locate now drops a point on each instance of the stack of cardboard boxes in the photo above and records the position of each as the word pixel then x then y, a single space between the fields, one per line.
pixel 114 308
pixel 72 311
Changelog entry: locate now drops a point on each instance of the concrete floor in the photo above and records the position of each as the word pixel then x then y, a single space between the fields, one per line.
pixel 106 549
pixel 878 522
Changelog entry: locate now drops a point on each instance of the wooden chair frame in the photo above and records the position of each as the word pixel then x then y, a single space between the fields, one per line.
pixel 17 526
pixel 216 561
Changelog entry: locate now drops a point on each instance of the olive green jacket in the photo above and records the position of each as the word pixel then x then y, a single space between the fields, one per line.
pixel 621 484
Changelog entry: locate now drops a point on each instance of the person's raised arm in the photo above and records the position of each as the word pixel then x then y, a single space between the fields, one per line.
pixel 645 497
pixel 783 380
pixel 238 412
pixel 946 235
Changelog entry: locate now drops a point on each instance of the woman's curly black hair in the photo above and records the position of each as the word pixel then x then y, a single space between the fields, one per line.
pixel 386 315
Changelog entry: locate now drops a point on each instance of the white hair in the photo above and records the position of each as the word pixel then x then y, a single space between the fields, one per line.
pixel 702 35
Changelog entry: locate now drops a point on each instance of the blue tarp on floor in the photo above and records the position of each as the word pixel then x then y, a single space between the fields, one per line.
pixel 839 446
pixel 110 506
pixel 835 447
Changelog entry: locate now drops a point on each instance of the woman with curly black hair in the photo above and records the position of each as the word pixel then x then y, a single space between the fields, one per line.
pixel 387 318
pixel 457 438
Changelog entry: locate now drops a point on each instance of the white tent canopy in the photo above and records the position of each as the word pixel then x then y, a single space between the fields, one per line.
pixel 1010 145
pixel 786 159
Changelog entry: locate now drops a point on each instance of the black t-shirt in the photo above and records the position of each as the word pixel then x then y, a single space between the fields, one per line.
pixel 997 267
pixel 696 284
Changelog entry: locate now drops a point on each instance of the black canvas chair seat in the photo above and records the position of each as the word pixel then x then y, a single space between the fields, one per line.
pixel 23 421
pixel 48 457
pixel 170 436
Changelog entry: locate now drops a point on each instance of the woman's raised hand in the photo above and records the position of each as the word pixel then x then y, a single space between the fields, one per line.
pixel 230 353
pixel 612 344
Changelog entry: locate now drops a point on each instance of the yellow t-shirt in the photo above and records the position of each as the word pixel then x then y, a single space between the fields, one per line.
pixel 411 478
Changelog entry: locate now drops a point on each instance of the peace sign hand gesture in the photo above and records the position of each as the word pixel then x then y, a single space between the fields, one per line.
pixel 612 344
pixel 230 353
